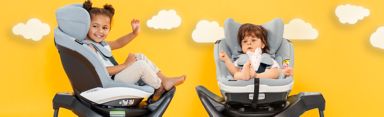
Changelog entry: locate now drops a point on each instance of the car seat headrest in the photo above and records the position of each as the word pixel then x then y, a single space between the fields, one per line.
pixel 275 29
pixel 73 20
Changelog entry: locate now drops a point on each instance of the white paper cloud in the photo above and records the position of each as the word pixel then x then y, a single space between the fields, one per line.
pixel 377 38
pixel 298 29
pixel 165 19
pixel 207 32
pixel 34 29
pixel 350 14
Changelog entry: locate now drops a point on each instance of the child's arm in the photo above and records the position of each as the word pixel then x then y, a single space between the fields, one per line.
pixel 112 70
pixel 124 40
pixel 230 66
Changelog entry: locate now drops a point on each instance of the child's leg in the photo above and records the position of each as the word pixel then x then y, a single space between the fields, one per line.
pixel 139 70
pixel 168 82
pixel 140 56
pixel 150 77
pixel 244 74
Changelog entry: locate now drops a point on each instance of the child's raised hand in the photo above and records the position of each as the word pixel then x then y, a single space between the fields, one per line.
pixel 135 23
pixel 223 56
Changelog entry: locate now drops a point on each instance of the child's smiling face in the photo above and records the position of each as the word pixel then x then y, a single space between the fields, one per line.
pixel 251 42
pixel 100 27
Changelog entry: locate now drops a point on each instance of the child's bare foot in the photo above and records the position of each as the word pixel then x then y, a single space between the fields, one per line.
pixel 244 73
pixel 168 83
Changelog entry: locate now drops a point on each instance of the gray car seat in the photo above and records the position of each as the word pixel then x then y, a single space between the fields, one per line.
pixel 94 92
pixel 255 97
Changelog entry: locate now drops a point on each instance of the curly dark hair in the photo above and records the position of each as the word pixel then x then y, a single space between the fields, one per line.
pixel 107 10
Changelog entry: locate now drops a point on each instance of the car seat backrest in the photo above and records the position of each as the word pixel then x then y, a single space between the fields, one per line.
pixel 280 49
pixel 81 65
pixel 274 28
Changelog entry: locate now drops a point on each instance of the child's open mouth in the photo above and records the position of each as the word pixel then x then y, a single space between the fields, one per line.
pixel 99 36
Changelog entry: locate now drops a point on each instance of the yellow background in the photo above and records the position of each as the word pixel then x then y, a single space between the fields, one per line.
pixel 340 63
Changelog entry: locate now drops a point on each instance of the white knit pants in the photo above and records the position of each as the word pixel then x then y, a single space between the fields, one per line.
pixel 142 69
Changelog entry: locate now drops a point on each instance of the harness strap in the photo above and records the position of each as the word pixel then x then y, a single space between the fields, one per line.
pixel 106 54
pixel 256 88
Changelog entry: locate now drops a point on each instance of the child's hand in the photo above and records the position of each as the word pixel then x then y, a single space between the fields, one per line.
pixel 130 59
pixel 223 56
pixel 288 71
pixel 135 26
